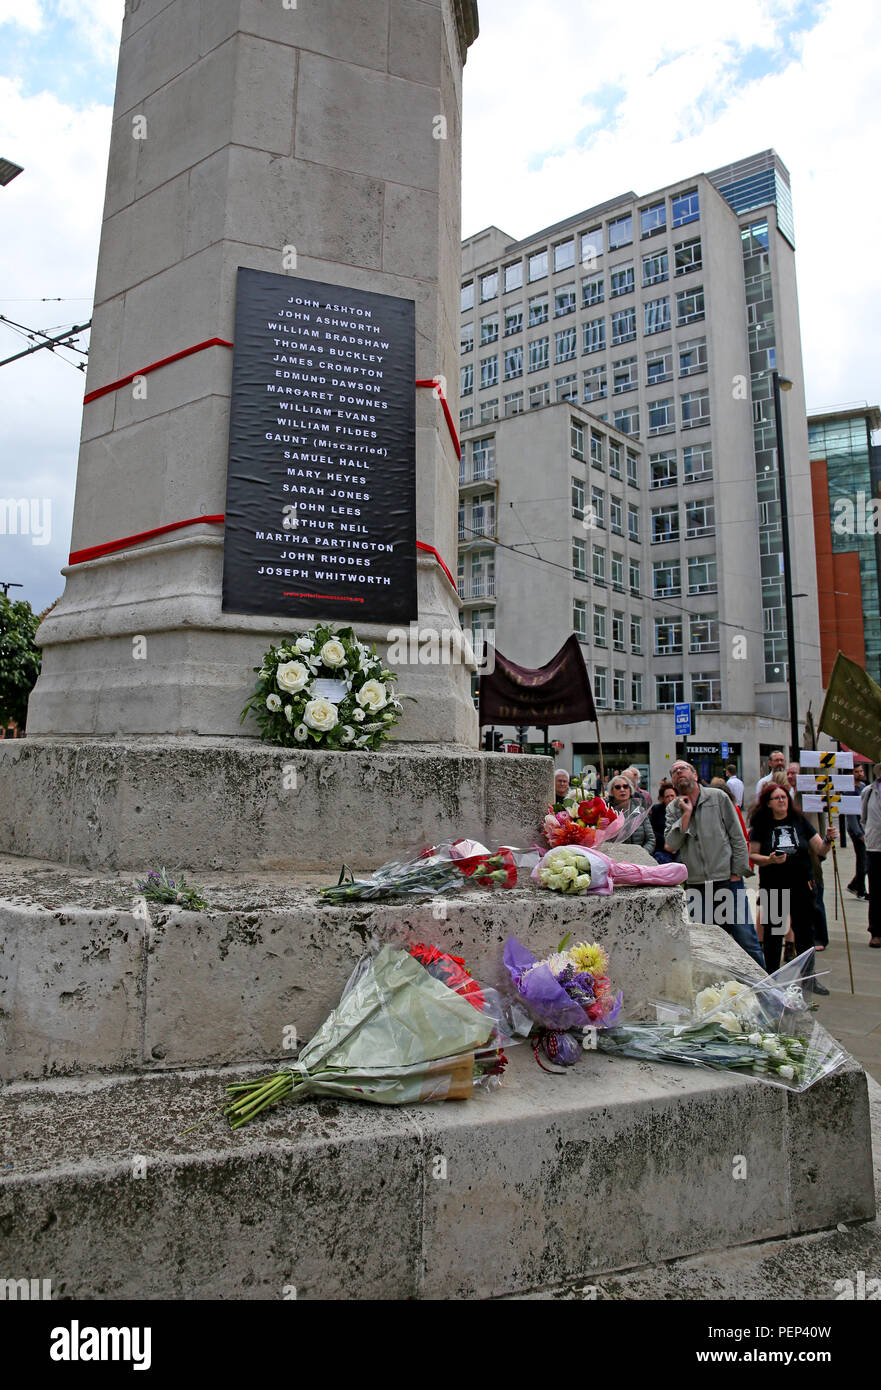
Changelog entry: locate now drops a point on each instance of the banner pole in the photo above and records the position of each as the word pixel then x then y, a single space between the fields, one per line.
pixel 837 882
pixel 602 767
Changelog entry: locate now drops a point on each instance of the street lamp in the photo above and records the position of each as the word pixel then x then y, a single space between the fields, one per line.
pixel 781 383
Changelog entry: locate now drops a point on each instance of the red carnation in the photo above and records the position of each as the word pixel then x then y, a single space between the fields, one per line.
pixel 450 970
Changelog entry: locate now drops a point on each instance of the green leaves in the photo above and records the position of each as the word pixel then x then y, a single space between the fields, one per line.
pixel 20 659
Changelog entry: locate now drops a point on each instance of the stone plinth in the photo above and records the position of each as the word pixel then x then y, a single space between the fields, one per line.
pixel 239 804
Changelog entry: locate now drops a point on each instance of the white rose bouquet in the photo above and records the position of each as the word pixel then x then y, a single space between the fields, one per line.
pixel 324 688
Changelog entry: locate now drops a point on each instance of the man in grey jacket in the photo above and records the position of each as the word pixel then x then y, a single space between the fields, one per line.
pixel 703 832
pixel 871 818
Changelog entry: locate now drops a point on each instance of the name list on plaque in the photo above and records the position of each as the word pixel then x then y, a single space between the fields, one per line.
pixel 321 483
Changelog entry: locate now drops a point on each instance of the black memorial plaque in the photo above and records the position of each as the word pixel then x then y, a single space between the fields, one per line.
pixel 321 485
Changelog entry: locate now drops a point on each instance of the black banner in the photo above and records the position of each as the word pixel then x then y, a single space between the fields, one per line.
pixel 321 485
pixel 558 693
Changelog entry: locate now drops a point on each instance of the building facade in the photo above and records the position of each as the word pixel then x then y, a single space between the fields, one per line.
pixel 618 472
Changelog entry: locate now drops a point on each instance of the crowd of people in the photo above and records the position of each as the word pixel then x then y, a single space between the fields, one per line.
pixel 722 842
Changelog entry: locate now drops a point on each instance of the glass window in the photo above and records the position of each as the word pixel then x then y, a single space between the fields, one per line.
pixel 596 448
pixel 663 469
pixel 466 341
pixel 595 384
pixel 700 518
pixel 703 632
pixel 690 305
pixel 564 254
pixel 538 309
pixel 595 335
pixel 489 411
pixel 466 418
pixel 688 256
pixel 669 691
pixel 695 409
pixel 668 636
pixel 538 265
pixel 618 571
pixel 489 328
pixel 513 276
pixel 513 319
pixel 662 418
pixel 693 357
pixel 697 463
pixel 598 507
pixel 659 366
pixel 657 315
pixel 514 403
pixel 513 362
pixel 621 231
pixel 600 693
pixel 578 558
pixel 614 459
pixel 539 354
pixel 565 344
pixel 599 625
pixel 636 632
pixel 635 579
pixel 578 498
pixel 618 631
pixel 619 687
pixel 624 325
pixel 653 219
pixel 539 395
pixel 636 690
pixel 616 516
pixel 702 574
pixel 466 380
pixel 667 578
pixel 489 372
pixel 624 375
pixel 564 301
pixel 576 438
pixel 706 690
pixel 627 420
pixel 665 524
pixel 489 286
pixel 632 468
pixel 579 618
pixel 591 245
pixel 483 458
pixel 686 208
pixel 632 522
pixel 654 268
pixel 467 296
pixel 599 577
pixel 621 280
pixel 566 387
pixel 591 290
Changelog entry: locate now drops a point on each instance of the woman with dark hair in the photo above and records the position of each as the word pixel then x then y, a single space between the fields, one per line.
pixel 658 817
pixel 780 843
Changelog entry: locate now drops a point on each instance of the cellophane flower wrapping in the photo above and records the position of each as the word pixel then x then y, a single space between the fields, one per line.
pixel 594 823
pixel 762 1028
pixel 412 1026
pixel 433 869
pixel 566 993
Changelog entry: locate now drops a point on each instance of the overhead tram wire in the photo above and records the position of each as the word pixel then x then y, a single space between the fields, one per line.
pixel 53 345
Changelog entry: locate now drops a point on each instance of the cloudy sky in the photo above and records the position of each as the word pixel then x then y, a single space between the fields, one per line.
pixel 565 106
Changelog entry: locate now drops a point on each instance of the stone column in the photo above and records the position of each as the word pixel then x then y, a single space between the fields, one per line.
pixel 242 129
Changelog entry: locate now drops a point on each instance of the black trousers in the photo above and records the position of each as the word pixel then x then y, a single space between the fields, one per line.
pixel 874 858
pixel 858 882
pixel 802 910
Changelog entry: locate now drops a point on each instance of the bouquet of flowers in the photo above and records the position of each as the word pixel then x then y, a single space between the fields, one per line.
pixel 566 870
pixel 443 868
pixel 324 688
pixel 566 993
pixel 762 1028
pixel 158 887
pixel 595 822
pixel 412 1026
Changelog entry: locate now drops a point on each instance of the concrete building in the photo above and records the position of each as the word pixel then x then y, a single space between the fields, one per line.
pixel 846 481
pixel 618 472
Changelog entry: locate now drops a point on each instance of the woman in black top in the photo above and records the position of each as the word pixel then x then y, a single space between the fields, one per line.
pixel 780 841
pixel 658 816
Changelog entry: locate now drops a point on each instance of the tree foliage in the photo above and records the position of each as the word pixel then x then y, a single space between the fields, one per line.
pixel 19 659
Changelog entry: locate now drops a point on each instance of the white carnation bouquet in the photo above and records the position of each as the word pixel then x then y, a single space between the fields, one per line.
pixel 324 688
pixel 565 870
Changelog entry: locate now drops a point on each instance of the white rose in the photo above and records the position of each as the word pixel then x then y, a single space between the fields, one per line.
pixel 273 703
pixel 372 696
pixel 787 1073
pixel 728 1022
pixel 289 713
pixel 321 714
pixel 291 676
pixel 359 715
pixel 755 1039
pixel 305 644
pixel 707 1000
pixel 301 733
pixel 333 653
pixel 347 734
pixel 769 1044
pixel 361 740
pixel 388 716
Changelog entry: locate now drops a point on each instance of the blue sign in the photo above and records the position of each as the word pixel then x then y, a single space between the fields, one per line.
pixel 726 750
pixel 682 719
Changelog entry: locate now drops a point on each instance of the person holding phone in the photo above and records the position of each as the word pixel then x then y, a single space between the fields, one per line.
pixel 780 843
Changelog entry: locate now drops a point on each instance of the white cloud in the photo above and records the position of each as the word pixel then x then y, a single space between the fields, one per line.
pixel 98 23
pixel 27 14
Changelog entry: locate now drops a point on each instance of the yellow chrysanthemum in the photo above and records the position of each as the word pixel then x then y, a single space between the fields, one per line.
pixel 589 957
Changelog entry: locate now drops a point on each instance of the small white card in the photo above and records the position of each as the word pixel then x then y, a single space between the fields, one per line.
pixel 332 690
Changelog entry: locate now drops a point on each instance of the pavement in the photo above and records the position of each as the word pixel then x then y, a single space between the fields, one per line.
pixel 853 1018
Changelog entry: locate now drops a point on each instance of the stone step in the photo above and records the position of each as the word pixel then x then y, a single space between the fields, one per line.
pixel 548 1181
pixel 92 981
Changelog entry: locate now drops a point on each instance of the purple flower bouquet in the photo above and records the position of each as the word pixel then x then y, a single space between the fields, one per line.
pixel 567 991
